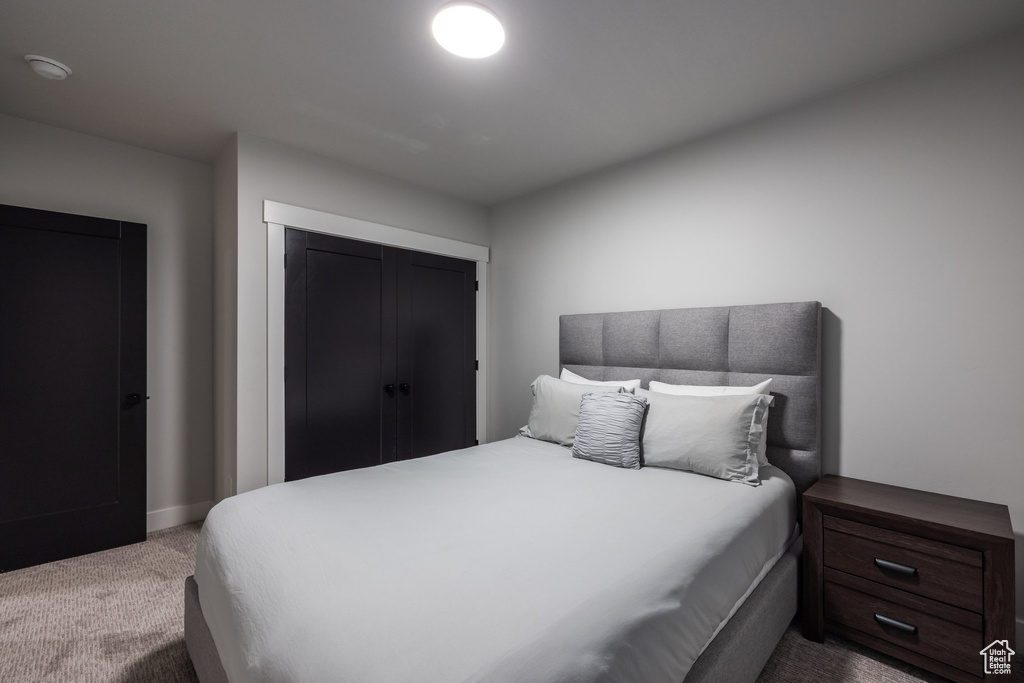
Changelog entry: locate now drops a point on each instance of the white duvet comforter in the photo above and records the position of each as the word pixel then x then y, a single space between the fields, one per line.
pixel 510 562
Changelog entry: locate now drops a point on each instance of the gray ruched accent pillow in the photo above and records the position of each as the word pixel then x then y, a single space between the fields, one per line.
pixel 556 408
pixel 608 430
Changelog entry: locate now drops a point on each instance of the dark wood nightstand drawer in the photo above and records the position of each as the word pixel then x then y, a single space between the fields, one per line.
pixel 934 630
pixel 955 590
pixel 936 570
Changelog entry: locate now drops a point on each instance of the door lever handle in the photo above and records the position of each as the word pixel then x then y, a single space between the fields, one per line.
pixel 404 388
pixel 389 389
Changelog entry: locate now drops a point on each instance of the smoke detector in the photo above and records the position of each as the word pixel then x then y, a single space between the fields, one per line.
pixel 48 68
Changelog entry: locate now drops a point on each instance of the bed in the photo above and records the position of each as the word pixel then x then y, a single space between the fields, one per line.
pixel 514 561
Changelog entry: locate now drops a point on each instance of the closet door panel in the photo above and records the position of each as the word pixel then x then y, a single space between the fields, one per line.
pixel 343 324
pixel 436 354
pixel 338 415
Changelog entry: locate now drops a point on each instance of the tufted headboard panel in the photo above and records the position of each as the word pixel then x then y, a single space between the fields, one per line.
pixel 728 345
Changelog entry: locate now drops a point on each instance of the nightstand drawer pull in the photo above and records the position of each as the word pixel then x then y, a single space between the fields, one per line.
pixel 898 625
pixel 895 567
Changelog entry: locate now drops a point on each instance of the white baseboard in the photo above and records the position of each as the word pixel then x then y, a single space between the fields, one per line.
pixel 183 514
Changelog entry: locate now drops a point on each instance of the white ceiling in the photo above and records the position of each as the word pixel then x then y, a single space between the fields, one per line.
pixel 579 85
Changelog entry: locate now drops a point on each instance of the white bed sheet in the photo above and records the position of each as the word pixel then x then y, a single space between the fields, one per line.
pixel 507 562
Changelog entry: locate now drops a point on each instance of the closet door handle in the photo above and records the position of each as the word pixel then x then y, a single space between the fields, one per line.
pixel 404 388
pixel 389 389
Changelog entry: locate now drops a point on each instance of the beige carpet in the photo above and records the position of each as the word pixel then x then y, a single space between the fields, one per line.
pixel 109 616
pixel 116 616
pixel 797 660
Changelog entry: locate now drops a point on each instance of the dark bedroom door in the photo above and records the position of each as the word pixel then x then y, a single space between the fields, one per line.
pixel 72 385
pixel 380 354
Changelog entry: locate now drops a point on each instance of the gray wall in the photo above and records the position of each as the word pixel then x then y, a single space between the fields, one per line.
pixel 50 168
pixel 268 170
pixel 898 204
pixel 225 317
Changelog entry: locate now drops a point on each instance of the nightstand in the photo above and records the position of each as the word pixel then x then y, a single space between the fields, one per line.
pixel 922 577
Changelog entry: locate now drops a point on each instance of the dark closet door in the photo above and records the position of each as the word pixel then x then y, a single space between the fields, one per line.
pixel 339 354
pixel 379 354
pixel 436 354
pixel 72 385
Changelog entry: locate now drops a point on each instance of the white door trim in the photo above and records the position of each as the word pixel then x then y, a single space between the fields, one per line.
pixel 277 217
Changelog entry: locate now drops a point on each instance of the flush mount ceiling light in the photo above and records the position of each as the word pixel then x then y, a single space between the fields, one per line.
pixel 468 30
pixel 48 68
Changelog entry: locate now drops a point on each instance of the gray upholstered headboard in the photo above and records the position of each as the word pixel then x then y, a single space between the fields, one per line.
pixel 729 345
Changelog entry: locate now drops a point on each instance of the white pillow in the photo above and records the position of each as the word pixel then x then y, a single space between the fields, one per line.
pixel 696 390
pixel 712 435
pixel 569 376
pixel 556 409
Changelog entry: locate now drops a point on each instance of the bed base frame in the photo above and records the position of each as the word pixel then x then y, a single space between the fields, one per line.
pixel 738 652
pixel 199 640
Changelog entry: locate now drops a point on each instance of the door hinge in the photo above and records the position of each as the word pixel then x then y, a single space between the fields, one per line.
pixel 477 365
pixel 286 261
pixel 476 286
pixel 478 442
